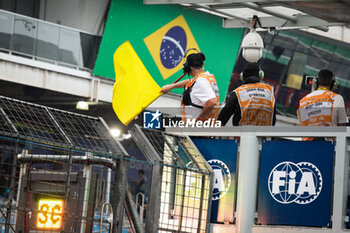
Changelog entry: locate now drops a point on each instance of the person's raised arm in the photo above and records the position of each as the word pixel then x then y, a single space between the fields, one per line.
pixel 167 88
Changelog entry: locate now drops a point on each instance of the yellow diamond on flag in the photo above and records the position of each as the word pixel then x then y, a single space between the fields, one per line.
pixel 168 44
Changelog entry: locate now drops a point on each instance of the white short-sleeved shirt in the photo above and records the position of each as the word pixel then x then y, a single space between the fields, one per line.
pixel 202 91
pixel 339 113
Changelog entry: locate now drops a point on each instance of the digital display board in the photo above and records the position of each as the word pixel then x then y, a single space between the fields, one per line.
pixel 50 214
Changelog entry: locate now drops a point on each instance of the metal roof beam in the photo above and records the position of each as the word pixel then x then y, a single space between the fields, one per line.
pixel 266 22
pixel 218 1
pixel 321 28
pixel 269 12
pixel 222 13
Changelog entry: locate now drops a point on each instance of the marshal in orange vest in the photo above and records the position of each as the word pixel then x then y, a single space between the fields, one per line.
pixel 316 109
pixel 211 79
pixel 257 102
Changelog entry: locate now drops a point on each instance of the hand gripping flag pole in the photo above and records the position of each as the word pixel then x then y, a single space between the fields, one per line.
pixel 134 88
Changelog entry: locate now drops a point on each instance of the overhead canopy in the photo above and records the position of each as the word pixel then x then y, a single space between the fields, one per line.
pixel 272 14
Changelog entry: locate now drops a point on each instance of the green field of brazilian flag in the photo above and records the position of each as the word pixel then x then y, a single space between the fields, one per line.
pixel 160 34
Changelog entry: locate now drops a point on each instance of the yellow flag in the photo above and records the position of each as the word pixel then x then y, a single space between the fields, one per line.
pixel 134 88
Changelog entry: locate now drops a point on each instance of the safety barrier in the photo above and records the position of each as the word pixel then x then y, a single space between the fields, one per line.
pixel 64 172
pixel 57 170
pixel 283 184
pixel 180 185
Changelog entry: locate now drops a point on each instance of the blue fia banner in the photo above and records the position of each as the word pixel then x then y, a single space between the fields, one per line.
pixel 295 183
pixel 222 157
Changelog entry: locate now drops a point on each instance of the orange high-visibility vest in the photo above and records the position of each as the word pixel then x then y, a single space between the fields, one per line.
pixel 257 103
pixel 316 109
pixel 215 112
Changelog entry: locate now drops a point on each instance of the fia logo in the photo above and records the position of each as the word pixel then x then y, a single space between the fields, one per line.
pixel 151 120
pixel 290 182
pixel 222 178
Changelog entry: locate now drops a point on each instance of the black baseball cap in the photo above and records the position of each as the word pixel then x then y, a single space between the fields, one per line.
pixel 251 69
pixel 196 59
pixel 325 77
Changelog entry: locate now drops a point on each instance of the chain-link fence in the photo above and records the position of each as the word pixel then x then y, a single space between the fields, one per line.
pixel 60 171
pixel 180 183
pixel 64 172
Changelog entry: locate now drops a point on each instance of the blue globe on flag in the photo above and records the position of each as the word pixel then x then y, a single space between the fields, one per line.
pixel 173 47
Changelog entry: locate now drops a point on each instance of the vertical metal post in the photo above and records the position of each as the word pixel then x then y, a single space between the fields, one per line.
pixel 80 56
pixel 247 182
pixel 13 174
pixel 201 204
pixel 108 188
pixel 133 212
pixel 67 192
pixel 152 156
pixel 119 195
pixel 120 186
pixel 154 199
pixel 57 61
pixel 210 197
pixel 184 177
pixel 12 188
pixel 172 190
pixel 22 172
pixel 87 175
pixel 12 31
pixel 340 188
pixel 35 40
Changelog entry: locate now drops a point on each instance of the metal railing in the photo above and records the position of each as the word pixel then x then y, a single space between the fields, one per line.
pixel 249 156
pixel 41 40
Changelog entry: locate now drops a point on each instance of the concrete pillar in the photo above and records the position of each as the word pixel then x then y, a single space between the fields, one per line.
pixel 247 183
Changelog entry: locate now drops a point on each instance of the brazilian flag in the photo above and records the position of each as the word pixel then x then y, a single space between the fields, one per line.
pixel 160 34
pixel 168 44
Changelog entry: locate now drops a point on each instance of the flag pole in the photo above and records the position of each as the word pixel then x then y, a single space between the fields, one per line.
pixel 179 78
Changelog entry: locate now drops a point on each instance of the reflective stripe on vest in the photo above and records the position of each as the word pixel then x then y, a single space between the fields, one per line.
pixel 317 109
pixel 211 79
pixel 256 101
